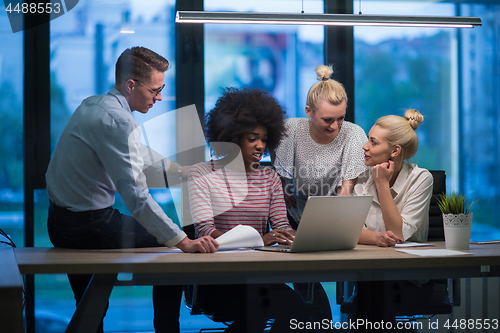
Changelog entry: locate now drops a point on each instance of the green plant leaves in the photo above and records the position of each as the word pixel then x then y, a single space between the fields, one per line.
pixel 454 204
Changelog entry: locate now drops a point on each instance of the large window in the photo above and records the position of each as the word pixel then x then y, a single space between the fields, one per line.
pixel 401 68
pixel 451 77
pixel 11 127
pixel 479 118
pixel 276 58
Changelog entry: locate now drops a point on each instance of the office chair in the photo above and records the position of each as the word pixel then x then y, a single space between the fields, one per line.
pixel 439 302
pixel 191 299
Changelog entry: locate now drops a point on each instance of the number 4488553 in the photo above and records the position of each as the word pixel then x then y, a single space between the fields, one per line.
pixel 472 324
pixel 34 8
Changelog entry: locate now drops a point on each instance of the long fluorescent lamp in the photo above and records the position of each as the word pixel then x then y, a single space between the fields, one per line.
pixel 327 19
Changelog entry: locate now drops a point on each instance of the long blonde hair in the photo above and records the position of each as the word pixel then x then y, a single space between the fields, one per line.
pixel 401 131
pixel 326 89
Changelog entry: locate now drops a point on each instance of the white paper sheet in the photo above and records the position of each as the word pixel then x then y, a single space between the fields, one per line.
pixel 240 236
pixel 413 244
pixel 433 252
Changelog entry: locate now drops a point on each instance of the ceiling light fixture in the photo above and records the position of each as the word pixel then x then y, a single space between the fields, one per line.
pixel 327 19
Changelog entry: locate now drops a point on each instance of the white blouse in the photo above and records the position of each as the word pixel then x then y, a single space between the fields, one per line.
pixel 412 192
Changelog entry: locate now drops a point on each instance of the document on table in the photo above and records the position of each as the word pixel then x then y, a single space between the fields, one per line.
pixel 413 244
pixel 433 252
pixel 241 236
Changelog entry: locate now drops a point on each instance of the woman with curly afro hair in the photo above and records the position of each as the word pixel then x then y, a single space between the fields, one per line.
pixel 239 111
pixel 233 189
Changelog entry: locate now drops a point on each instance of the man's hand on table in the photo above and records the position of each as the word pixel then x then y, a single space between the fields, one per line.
pixel 205 244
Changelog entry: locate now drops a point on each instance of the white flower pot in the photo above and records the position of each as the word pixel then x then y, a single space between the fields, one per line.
pixel 457 229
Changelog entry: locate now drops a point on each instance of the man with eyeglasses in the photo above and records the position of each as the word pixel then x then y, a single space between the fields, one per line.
pixel 99 154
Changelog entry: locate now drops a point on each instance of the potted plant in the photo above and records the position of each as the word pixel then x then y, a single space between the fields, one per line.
pixel 457 220
pixel 454 204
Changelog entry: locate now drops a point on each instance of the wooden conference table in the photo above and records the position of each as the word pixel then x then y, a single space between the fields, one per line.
pixel 160 266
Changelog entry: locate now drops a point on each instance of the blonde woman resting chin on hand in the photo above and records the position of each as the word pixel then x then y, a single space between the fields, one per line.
pixel 402 191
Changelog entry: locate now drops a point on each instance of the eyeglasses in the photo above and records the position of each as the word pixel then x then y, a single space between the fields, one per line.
pixel 154 91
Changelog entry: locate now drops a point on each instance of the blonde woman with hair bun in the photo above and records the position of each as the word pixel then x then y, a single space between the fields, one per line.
pixel 402 191
pixel 399 212
pixel 321 155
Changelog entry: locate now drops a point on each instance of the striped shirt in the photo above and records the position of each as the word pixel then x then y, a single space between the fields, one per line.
pixel 221 199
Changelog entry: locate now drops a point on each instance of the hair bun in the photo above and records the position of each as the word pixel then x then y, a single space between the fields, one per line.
pixel 414 118
pixel 323 72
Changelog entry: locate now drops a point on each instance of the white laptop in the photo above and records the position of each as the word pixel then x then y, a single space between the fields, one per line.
pixel 328 223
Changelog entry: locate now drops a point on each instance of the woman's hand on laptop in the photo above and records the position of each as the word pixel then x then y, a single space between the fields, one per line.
pixel 279 236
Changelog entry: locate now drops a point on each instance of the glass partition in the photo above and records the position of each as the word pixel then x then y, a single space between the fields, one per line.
pixel 450 76
pixel 85 44
pixel 11 127
pixel 479 118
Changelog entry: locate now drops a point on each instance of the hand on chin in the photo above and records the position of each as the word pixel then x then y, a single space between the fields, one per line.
pixel 382 172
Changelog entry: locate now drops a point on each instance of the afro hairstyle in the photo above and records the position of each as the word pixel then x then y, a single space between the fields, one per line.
pixel 239 111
